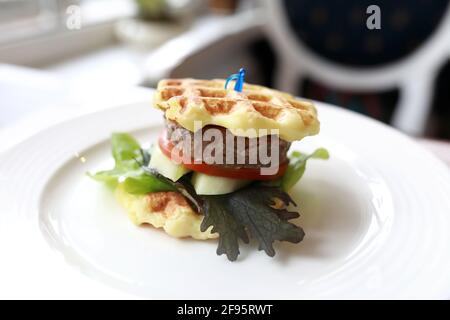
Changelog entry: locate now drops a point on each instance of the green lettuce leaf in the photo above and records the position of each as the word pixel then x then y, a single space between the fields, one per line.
pixel 297 166
pixel 145 183
pixel 125 150
pixel 129 169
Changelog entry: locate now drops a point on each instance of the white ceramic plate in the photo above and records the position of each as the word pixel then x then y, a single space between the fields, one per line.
pixel 376 217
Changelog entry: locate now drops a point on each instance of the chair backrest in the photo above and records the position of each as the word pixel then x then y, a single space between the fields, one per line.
pixel 413 75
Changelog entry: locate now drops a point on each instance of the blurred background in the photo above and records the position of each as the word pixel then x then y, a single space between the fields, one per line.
pixel 387 59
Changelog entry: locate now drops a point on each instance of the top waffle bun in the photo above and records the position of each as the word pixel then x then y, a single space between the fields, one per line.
pixel 256 107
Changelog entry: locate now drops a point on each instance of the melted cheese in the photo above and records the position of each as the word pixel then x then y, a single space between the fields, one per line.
pixel 244 121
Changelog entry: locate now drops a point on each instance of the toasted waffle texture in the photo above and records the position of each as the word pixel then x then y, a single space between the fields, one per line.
pixel 167 210
pixel 256 107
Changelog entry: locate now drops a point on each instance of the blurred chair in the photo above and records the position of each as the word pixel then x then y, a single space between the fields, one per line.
pixel 400 63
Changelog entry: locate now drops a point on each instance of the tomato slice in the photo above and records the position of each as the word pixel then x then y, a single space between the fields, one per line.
pixel 167 146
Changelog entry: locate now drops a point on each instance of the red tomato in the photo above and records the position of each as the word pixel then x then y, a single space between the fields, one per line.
pixel 167 146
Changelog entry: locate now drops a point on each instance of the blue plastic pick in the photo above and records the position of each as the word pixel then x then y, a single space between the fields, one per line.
pixel 239 77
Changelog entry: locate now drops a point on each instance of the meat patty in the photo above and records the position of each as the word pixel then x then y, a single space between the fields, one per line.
pixel 243 152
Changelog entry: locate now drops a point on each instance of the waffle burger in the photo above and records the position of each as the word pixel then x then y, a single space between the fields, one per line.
pixel 220 167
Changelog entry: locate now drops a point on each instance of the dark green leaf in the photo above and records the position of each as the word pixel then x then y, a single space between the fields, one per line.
pixel 146 156
pixel 250 210
pixel 225 224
